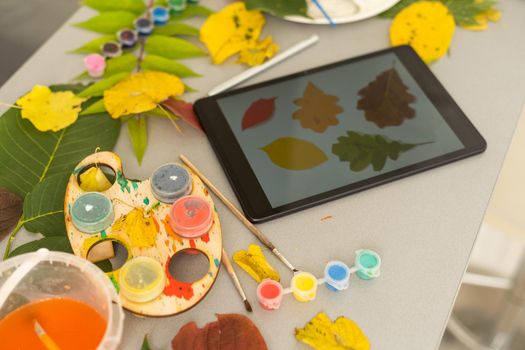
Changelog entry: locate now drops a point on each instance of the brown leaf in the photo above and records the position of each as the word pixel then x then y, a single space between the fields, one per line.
pixel 229 332
pixel 386 100
pixel 183 110
pixel 258 112
pixel 10 210
pixel 318 110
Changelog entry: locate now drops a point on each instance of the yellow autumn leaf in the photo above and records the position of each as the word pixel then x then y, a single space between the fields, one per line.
pixel 94 180
pixel 141 92
pixel 483 19
pixel 343 334
pixel 427 26
pixel 141 230
pixel 294 154
pixel 48 110
pixel 255 264
pixel 258 52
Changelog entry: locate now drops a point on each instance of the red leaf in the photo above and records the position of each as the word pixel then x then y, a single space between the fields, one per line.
pixel 10 210
pixel 183 110
pixel 258 112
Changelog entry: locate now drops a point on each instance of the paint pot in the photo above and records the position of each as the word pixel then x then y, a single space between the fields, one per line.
pixel 142 279
pixel 177 5
pixel 111 49
pixel 144 26
pixel 95 65
pixel 269 294
pixel 304 286
pixel 160 15
pixel 191 217
pixel 170 182
pixel 127 37
pixel 336 275
pixel 73 300
pixel 368 264
pixel 92 212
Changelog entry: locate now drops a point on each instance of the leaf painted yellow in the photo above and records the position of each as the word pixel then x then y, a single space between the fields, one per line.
pixel 141 92
pixel 294 154
pixel 427 26
pixel 258 52
pixel 255 264
pixel 94 180
pixel 50 111
pixel 141 230
pixel 323 334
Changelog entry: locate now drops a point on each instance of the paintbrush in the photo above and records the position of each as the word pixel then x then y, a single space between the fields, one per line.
pixel 323 11
pixel 260 236
pixel 227 263
pixel 44 337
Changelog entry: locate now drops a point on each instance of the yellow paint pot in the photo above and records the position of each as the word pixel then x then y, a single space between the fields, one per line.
pixel 142 279
pixel 304 286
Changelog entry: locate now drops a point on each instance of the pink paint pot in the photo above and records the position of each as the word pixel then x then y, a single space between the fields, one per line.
pixel 269 294
pixel 95 65
pixel 191 217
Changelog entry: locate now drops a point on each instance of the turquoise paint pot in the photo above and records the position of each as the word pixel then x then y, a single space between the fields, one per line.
pixel 92 212
pixel 336 275
pixel 177 5
pixel 171 182
pixel 368 264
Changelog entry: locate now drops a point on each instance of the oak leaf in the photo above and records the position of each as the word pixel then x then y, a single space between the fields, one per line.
pixel 258 112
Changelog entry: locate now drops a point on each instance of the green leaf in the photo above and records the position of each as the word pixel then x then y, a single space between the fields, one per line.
pixel 74 88
pixel 98 88
pixel 94 108
pixel 135 6
pixel 188 88
pixel 157 63
pixel 108 22
pixel 124 63
pixel 176 28
pixel 169 47
pixel 362 150
pixel 192 11
pixel 394 10
pixel 145 344
pixel 56 243
pixel 44 207
pixel 465 11
pixel 279 8
pixel 28 156
pixel 94 45
pixel 138 134
pixel 105 265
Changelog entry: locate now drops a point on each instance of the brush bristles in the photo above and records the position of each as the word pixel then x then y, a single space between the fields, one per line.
pixel 247 306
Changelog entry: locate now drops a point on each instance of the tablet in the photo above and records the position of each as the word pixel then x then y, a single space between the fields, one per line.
pixel 310 137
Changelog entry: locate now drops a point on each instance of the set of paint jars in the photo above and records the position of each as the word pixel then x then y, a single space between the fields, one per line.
pixel 304 285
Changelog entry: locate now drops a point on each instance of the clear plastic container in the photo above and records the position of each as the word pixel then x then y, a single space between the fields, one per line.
pixel 62 275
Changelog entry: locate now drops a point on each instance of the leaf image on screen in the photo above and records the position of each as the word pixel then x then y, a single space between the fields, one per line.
pixel 259 112
pixel 386 100
pixel 294 154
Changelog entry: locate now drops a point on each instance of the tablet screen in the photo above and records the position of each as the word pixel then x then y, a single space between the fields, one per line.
pixel 328 129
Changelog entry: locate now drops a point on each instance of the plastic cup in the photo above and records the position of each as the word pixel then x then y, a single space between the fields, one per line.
pixel 368 264
pixel 177 5
pixel 336 275
pixel 92 212
pixel 191 217
pixel 269 294
pixel 95 65
pixel 170 182
pixel 143 25
pixel 61 277
pixel 111 49
pixel 304 286
pixel 142 279
pixel 160 15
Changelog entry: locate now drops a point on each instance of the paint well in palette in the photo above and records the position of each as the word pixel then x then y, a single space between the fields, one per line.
pixel 191 217
pixel 170 182
pixel 92 212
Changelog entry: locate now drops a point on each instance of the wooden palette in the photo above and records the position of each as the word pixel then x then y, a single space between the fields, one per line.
pixel 126 195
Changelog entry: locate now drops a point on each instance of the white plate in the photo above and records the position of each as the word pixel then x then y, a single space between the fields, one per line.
pixel 343 11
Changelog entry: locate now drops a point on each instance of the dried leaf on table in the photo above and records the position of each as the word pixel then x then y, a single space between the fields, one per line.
pixel 386 100
pixel 279 8
pixel 48 110
pixel 258 51
pixel 141 229
pixel 294 154
pixel 169 47
pixel 318 110
pixel 259 112
pixel 323 334
pixel 138 133
pixel 427 26
pixel 10 210
pixel 109 22
pixel 94 180
pixel 184 111
pixel 229 332
pixel 135 6
pixel 255 264
pixel 166 65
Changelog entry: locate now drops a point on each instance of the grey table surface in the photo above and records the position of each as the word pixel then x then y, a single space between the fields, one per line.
pixel 424 226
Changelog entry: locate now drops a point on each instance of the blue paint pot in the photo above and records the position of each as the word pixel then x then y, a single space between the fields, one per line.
pixel 92 212
pixel 171 182
pixel 368 264
pixel 336 275
pixel 160 15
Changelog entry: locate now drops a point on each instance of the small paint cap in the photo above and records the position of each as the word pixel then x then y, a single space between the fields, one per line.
pixel 127 37
pixel 142 279
pixel 111 49
pixel 143 25
pixel 160 15
pixel 177 5
pixel 191 217
pixel 336 275
pixel 304 286
pixel 95 65
pixel 92 212
pixel 170 182
pixel 270 294
pixel 368 264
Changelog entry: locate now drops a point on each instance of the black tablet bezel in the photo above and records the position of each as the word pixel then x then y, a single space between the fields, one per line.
pixel 244 181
